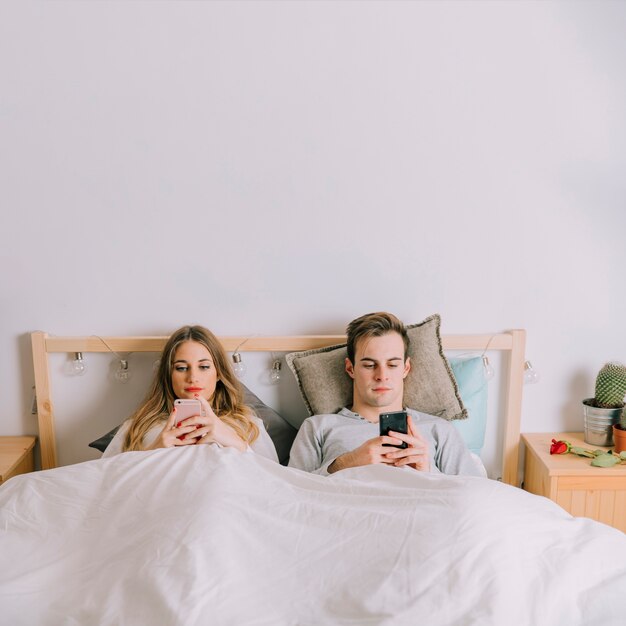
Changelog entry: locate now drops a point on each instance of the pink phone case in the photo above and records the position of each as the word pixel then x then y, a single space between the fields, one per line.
pixel 187 408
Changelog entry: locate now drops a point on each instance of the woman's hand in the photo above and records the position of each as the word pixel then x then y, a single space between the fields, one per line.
pixel 211 429
pixel 172 436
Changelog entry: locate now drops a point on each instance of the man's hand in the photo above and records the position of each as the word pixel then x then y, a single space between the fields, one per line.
pixel 373 451
pixel 416 455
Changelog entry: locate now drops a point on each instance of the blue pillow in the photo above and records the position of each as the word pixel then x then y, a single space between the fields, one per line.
pixel 470 377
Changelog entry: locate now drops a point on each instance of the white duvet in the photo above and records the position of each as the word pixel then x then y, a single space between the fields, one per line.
pixel 202 535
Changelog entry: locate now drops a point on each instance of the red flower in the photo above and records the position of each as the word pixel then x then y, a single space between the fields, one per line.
pixel 560 447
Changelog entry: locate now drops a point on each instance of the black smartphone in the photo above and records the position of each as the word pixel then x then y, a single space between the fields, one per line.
pixel 395 421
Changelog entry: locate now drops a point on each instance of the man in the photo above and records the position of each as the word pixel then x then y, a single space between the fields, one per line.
pixel 377 362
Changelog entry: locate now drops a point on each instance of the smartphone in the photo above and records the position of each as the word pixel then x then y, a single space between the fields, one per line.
pixel 186 408
pixel 395 421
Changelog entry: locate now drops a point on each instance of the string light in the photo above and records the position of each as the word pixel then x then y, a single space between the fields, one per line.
pixel 275 372
pixel 239 367
pixel 531 375
pixel 489 371
pixel 123 374
pixel 488 368
pixel 77 367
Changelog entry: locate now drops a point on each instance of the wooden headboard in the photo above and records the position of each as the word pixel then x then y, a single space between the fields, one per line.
pixel 512 343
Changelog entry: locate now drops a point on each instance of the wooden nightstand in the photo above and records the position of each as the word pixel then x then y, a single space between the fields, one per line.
pixel 16 456
pixel 571 482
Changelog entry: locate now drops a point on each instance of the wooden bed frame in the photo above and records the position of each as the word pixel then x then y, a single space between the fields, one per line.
pixel 512 343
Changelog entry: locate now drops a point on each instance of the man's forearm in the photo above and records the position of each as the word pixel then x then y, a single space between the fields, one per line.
pixel 340 463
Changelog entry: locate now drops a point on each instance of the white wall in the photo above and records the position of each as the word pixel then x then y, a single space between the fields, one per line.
pixel 281 167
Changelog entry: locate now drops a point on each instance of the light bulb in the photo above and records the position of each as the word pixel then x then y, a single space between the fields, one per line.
pixel 489 371
pixel 531 375
pixel 239 367
pixel 77 367
pixel 275 372
pixel 123 374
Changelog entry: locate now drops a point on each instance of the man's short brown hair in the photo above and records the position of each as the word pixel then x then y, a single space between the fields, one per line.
pixel 374 325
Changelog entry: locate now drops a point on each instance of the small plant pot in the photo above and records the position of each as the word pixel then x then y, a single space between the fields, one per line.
pixel 619 437
pixel 599 423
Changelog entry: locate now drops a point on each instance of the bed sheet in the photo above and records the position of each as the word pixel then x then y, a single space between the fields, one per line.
pixel 201 535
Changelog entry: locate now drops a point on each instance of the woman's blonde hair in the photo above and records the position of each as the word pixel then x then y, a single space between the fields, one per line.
pixel 227 400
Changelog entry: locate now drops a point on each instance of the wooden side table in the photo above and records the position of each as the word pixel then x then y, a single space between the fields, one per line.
pixel 16 456
pixel 571 482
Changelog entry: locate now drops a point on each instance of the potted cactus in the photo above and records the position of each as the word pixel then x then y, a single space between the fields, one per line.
pixel 604 410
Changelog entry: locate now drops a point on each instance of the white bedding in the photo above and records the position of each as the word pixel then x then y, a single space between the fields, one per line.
pixel 202 535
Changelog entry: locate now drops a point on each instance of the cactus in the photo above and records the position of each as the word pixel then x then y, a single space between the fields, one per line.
pixel 611 386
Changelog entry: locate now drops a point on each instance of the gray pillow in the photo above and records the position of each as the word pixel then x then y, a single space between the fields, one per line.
pixel 281 432
pixel 102 442
pixel 430 386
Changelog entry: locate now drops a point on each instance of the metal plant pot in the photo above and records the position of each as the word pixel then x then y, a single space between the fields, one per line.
pixel 599 423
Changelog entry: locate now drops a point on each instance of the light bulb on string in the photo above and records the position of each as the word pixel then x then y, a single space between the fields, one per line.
pixel 275 372
pixel 488 368
pixel 239 367
pixel 531 375
pixel 77 367
pixel 123 373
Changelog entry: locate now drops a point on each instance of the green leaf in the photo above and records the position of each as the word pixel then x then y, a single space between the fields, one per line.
pixel 582 452
pixel 605 460
pixel 622 455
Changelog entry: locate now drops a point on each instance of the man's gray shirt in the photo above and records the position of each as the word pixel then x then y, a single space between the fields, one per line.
pixel 323 438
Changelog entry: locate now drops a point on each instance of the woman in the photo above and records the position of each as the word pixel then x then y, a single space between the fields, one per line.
pixel 194 366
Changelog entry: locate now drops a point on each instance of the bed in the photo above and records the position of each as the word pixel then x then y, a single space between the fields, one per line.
pixel 201 535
